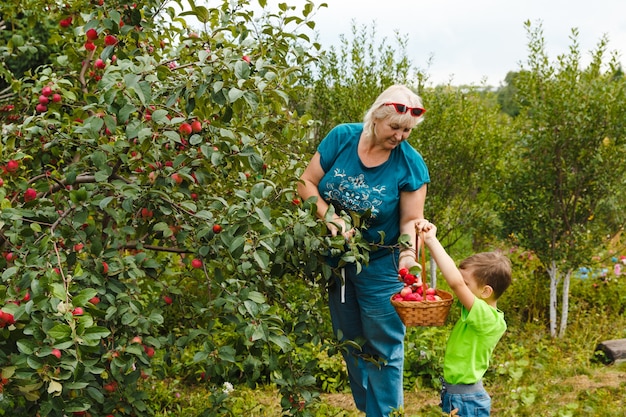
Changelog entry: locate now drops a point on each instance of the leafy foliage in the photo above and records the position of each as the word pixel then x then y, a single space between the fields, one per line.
pixel 149 225
pixel 563 190
pixel 137 151
pixel 564 172
pixel 346 80
pixel 463 139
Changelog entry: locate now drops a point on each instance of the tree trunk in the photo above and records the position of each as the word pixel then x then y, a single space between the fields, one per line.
pixel 565 303
pixel 433 273
pixel 554 280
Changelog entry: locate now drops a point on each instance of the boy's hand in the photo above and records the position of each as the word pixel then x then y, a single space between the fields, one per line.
pixel 429 229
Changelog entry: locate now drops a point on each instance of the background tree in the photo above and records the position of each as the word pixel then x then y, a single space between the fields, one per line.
pixel 564 177
pixel 506 95
pixel 348 78
pixel 465 140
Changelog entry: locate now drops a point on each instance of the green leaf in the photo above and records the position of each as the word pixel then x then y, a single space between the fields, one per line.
pixel 110 123
pixel 125 112
pixel 262 258
pixel 26 346
pixel 258 333
pixel 99 159
pixel 227 354
pixel 9 272
pixel 257 297
pixel 234 94
pixel 8 371
pixel 76 385
pixel 83 297
pixel 281 341
pixel 236 245
pixel 60 331
pixel 160 116
pixel 242 71
pixel 96 394
pixel 58 291
pixel 163 227
pixel 105 202
pixel 93 335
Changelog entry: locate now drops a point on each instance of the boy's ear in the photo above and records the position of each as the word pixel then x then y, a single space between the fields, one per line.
pixel 486 292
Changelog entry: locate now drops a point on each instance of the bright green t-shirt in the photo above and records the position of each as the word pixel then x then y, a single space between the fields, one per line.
pixel 471 343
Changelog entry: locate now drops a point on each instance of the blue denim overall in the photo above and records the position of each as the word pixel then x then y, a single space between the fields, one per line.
pixel 362 309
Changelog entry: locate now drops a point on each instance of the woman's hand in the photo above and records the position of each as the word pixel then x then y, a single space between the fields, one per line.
pixel 409 262
pixel 338 226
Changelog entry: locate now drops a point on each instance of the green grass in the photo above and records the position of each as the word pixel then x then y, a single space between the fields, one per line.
pixel 531 375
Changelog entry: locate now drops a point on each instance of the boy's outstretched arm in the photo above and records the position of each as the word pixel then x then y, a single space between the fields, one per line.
pixel 445 263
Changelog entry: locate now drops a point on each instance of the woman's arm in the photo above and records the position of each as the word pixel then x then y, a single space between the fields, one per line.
pixel 308 187
pixel 411 211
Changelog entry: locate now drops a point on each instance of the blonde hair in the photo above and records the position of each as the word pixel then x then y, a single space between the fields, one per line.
pixel 395 94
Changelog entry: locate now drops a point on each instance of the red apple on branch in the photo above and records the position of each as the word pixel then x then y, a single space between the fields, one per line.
pixel 196 126
pixel 92 34
pixel 12 165
pixel 30 194
pixel 185 129
pixel 178 179
pixel 110 40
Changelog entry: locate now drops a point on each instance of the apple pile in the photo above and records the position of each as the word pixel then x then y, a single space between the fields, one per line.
pixel 412 290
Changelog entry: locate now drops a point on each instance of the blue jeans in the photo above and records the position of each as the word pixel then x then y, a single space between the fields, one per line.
pixel 363 310
pixel 471 401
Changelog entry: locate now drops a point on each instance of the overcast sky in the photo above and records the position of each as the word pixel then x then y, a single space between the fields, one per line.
pixel 470 41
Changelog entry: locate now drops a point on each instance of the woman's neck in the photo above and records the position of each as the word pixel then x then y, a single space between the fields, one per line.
pixel 370 153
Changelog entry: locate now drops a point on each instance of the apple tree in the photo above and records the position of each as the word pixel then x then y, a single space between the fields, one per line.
pixel 148 167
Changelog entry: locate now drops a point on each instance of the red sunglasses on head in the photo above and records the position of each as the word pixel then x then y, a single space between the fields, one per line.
pixel 402 109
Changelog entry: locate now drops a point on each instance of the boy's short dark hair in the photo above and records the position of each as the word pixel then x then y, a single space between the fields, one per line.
pixel 490 268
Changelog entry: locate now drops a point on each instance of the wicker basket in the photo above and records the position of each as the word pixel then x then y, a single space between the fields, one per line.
pixel 424 313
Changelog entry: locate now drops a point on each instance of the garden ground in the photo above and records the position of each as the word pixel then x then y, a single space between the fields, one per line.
pixel 612 378
pixel 599 391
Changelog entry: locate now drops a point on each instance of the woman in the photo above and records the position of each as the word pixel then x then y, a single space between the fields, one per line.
pixel 370 168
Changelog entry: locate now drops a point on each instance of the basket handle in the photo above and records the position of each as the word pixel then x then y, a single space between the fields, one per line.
pixel 420 257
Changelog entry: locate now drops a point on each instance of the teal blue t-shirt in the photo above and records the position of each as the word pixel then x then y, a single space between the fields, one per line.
pixel 349 185
pixel 471 343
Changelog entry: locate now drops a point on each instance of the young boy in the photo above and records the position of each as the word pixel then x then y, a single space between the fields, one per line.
pixel 478 282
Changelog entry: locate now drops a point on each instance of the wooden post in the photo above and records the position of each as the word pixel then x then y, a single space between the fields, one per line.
pixel 615 350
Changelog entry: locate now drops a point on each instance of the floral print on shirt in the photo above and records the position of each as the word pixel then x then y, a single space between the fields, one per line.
pixel 353 193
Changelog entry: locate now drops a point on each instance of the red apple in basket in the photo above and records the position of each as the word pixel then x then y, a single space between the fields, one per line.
pixel 406 291
pixel 409 279
pixel 413 297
